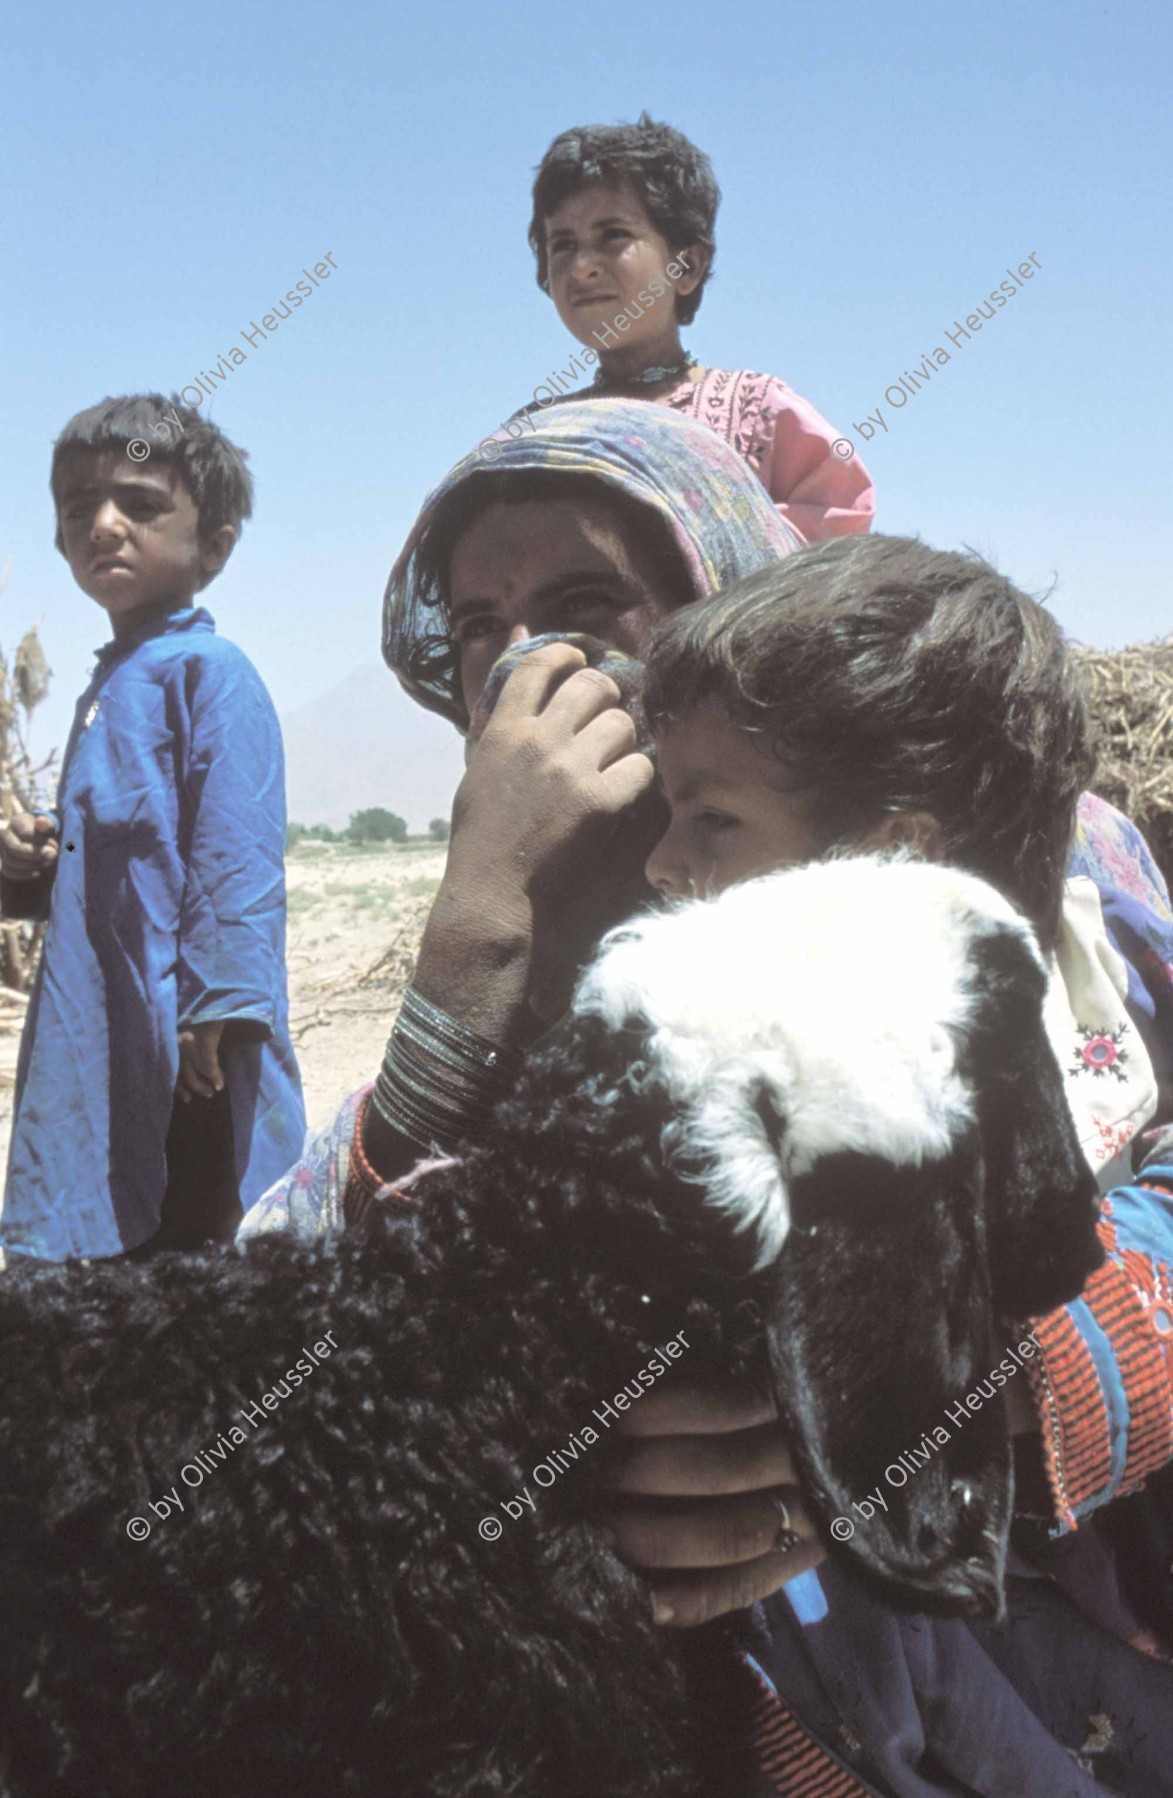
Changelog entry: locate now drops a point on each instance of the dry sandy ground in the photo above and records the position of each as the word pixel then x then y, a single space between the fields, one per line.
pixel 355 920
pixel 355 917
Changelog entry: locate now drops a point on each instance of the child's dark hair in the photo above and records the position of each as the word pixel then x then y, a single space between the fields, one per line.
pixel 890 677
pixel 210 465
pixel 672 177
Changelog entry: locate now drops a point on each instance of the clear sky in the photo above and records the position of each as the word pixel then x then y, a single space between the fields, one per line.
pixel 169 171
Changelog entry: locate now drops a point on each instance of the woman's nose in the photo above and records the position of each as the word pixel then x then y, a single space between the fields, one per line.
pixel 662 870
pixel 518 633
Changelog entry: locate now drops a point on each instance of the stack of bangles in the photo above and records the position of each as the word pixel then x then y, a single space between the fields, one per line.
pixel 440 1081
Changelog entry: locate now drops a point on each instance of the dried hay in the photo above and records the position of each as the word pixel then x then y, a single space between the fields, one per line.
pixel 394 968
pixel 1130 692
pixel 379 988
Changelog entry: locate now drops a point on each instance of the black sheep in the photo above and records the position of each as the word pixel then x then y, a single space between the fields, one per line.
pixel 738 1155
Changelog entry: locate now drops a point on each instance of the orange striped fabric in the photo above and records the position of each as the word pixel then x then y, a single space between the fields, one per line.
pixel 793 1763
pixel 1124 1297
pixel 1077 1453
pixel 1146 1367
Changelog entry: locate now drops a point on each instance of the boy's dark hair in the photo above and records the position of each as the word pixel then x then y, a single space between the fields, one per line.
pixel 891 677
pixel 421 650
pixel 210 465
pixel 672 177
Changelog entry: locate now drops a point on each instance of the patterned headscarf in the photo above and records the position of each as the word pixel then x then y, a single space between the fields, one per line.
pixel 720 516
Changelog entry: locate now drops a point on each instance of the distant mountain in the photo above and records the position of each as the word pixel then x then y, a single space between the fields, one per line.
pixel 364 743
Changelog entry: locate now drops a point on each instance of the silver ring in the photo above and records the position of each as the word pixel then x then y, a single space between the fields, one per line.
pixel 786 1539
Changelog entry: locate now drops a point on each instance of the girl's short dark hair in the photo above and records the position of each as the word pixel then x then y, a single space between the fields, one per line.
pixel 891 677
pixel 212 468
pixel 672 177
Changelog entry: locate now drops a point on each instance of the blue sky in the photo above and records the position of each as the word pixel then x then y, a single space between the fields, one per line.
pixel 169 173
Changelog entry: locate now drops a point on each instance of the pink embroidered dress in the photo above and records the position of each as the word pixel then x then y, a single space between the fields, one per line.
pixel 788 446
pixel 780 435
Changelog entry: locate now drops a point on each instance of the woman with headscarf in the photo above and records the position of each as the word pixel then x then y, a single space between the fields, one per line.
pixel 608 517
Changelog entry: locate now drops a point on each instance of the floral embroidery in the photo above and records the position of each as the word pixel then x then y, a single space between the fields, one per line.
pixel 1100 1734
pixel 1100 1053
pixel 1113 1138
pixel 740 406
pixel 308 1199
pixel 1109 847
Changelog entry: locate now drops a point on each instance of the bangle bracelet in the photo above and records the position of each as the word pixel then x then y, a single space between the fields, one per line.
pixel 359 1169
pixel 439 1080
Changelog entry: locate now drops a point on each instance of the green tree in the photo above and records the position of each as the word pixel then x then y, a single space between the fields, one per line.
pixel 376 825
pixel 438 830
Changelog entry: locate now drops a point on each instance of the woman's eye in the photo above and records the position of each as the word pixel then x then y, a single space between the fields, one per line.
pixel 712 823
pixel 581 605
pixel 469 629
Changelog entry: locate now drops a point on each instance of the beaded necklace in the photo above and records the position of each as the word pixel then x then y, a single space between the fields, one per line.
pixel 647 377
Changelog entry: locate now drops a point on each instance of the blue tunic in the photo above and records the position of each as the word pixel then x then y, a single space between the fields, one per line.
pixel 167 909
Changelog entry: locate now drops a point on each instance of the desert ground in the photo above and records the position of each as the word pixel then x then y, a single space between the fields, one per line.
pixel 355 918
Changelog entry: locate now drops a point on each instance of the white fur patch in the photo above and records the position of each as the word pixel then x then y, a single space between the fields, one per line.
pixel 832 989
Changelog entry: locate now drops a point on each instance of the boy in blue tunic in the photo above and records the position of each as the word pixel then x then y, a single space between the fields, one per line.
pixel 161 874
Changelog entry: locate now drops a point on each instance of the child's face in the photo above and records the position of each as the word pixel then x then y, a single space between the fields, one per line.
pixel 733 813
pixel 130 533
pixel 602 250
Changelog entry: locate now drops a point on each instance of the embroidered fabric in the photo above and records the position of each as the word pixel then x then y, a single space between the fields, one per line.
pixel 1111 1086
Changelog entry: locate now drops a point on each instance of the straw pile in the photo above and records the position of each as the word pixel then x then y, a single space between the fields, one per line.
pixel 1130 692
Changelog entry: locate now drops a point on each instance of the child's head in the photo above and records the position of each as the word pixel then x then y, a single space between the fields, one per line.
pixel 612 205
pixel 150 498
pixel 869 692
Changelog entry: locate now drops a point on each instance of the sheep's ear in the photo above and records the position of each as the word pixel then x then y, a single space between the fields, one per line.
pixel 879 1331
pixel 1043 1201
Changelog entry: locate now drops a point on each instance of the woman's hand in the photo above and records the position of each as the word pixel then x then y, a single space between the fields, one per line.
pixel 552 774
pixel 697 1485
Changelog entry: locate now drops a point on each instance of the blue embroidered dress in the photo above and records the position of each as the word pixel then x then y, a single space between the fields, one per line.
pixel 167 909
